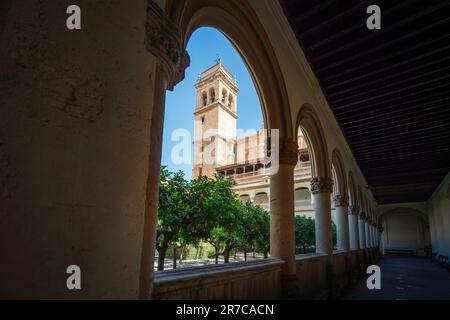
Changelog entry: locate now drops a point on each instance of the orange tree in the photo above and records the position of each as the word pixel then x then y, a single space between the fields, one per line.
pixel 173 211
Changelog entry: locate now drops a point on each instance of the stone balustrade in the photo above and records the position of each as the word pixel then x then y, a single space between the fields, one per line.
pixel 241 280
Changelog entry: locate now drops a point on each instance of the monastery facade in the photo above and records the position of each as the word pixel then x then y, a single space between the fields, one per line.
pixel 218 150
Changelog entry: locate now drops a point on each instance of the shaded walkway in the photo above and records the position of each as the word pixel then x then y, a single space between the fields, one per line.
pixel 405 278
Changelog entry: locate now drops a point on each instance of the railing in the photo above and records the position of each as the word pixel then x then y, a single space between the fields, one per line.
pixel 301 170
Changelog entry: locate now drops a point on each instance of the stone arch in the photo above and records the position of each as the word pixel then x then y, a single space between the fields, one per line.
pixel 204 99
pixel 212 95
pixel 337 166
pixel 405 229
pixel 224 95
pixel 238 22
pixel 244 198
pixel 261 199
pixel 309 123
pixel 302 197
pixel 360 200
pixel 352 197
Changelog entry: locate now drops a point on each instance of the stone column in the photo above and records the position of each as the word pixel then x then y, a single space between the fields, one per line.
pixel 164 41
pixel 367 232
pixel 362 231
pixel 353 226
pixel 282 220
pixel 372 235
pixel 342 231
pixel 321 189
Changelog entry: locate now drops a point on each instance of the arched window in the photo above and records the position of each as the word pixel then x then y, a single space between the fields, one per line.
pixel 262 199
pixel 224 96
pixel 244 198
pixel 204 99
pixel 230 101
pixel 212 95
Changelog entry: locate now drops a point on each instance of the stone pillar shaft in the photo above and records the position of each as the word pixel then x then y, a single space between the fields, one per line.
pixel 342 230
pixel 367 233
pixel 353 228
pixel 362 233
pixel 151 207
pixel 321 190
pixel 282 220
pixel 282 209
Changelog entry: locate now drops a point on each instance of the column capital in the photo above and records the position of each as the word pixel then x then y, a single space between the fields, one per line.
pixel 288 152
pixel 321 185
pixel 352 209
pixel 163 39
pixel 340 200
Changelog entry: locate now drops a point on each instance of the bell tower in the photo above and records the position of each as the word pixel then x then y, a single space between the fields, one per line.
pixel 215 120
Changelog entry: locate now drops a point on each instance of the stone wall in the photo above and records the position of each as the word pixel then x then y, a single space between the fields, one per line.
pixel 438 208
pixel 312 276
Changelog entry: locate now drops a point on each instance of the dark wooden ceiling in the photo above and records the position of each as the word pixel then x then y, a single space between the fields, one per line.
pixel 389 89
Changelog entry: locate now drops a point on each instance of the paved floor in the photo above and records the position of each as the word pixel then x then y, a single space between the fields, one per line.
pixel 405 278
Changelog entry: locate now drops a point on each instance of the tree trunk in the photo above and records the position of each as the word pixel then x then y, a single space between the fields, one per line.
pixel 161 256
pixel 266 254
pixel 254 254
pixel 226 255
pixel 174 259
pixel 245 255
pixel 217 255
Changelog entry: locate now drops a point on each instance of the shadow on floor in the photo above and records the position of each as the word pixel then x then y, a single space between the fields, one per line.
pixel 405 278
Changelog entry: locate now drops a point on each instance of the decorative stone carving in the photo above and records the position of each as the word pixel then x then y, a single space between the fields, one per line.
pixel 352 209
pixel 164 40
pixel 340 201
pixel 288 152
pixel 321 185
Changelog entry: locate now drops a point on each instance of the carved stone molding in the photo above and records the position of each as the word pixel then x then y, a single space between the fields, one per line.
pixel 321 185
pixel 340 201
pixel 288 152
pixel 163 39
pixel 353 210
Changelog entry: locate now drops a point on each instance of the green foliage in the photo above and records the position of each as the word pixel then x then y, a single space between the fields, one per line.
pixel 304 234
pixel 207 209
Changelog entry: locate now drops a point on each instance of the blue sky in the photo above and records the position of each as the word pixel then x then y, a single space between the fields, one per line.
pixel 203 47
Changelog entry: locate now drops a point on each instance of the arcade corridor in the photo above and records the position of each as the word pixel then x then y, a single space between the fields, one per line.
pixel 405 277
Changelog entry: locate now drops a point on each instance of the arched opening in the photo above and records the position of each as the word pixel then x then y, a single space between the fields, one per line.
pixel 224 233
pixel 212 95
pixel 262 199
pixel 308 124
pixel 241 26
pixel 340 226
pixel 244 198
pixel 224 96
pixel 230 102
pixel 204 99
pixel 302 199
pixel 405 230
